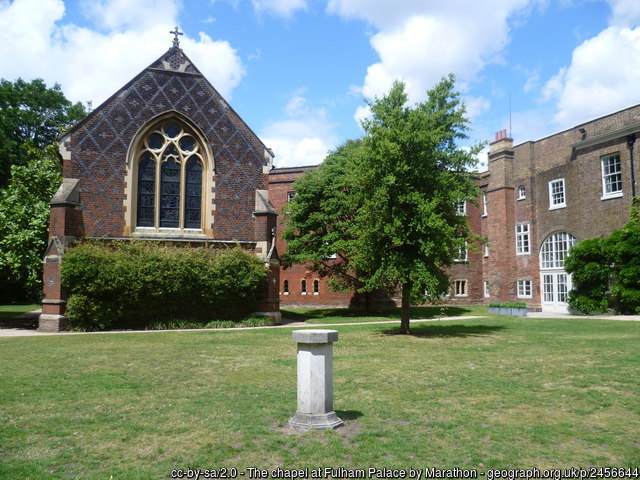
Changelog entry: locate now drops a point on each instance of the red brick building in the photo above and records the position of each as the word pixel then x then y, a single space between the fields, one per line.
pixel 165 158
pixel 537 199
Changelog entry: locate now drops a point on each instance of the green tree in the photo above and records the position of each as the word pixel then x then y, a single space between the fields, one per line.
pixel 320 220
pixel 24 218
pixel 412 176
pixel 589 263
pixel 624 249
pixel 606 271
pixel 31 116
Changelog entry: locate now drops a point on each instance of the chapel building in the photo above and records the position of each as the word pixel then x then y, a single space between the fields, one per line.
pixel 165 159
pixel 537 199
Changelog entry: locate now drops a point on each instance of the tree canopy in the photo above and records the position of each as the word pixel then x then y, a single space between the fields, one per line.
pixel 387 204
pixel 321 228
pixel 24 221
pixel 31 116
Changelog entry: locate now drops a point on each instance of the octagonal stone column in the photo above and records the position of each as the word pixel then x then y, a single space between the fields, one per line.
pixel 315 381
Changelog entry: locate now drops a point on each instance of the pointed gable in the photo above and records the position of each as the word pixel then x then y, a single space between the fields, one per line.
pixel 98 150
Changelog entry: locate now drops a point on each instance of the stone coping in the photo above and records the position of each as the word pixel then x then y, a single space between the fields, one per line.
pixel 315 336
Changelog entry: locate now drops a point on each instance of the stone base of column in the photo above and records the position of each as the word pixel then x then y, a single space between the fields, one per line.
pixel 303 422
pixel 52 323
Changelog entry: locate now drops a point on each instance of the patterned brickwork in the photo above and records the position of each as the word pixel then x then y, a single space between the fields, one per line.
pixel 99 148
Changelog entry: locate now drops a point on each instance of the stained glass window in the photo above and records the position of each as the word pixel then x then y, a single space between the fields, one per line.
pixel 170 193
pixel 174 198
pixel 146 190
pixel 193 194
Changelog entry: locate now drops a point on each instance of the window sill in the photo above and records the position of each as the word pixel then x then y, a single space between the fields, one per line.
pixel 168 232
pixel 484 215
pixel 523 253
pixel 557 207
pixel 465 295
pixel 521 198
pixel 611 196
pixel 285 293
pixel 524 296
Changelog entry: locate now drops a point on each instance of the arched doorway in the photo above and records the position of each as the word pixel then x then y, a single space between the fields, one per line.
pixel 554 280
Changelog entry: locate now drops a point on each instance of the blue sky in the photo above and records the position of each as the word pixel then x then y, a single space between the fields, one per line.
pixel 299 71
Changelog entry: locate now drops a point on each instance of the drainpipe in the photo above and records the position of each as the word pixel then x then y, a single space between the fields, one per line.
pixel 631 139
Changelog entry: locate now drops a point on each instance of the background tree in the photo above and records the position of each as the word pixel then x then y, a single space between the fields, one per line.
pixel 320 220
pixel 412 176
pixel 24 218
pixel 31 116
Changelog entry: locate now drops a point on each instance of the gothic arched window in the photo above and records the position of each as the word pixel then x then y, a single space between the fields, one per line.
pixel 170 178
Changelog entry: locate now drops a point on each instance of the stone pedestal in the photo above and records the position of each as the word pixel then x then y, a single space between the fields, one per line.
pixel 315 381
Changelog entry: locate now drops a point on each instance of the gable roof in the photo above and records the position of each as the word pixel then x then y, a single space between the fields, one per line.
pixel 175 61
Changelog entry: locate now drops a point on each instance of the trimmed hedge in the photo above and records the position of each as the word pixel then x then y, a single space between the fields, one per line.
pixel 508 305
pixel 136 284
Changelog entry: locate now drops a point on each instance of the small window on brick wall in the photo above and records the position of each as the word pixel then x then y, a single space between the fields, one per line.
pixel 522 239
pixel 461 288
pixel 285 287
pixel 524 289
pixel 522 192
pixel 303 287
pixel 557 198
pixel 486 288
pixel 611 176
pixel 316 287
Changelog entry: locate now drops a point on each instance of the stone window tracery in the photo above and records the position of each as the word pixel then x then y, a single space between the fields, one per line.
pixel 170 165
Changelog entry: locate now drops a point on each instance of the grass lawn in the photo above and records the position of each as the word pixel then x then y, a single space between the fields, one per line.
pixel 476 393
pixel 15 310
pixel 347 315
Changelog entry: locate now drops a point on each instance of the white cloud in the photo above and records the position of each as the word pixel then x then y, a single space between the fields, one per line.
pixel 114 15
pixel 363 113
pixel 420 42
pixel 279 8
pixel 603 77
pixel 91 64
pixel 303 137
pixel 624 13
pixel 476 106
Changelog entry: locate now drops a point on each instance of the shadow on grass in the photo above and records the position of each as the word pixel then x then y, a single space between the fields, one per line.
pixel 446 331
pixel 18 319
pixel 304 314
pixel 349 414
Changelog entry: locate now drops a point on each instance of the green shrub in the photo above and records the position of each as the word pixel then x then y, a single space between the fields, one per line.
pixel 508 305
pixel 589 262
pixel 257 321
pixel 606 272
pixel 625 289
pixel 136 284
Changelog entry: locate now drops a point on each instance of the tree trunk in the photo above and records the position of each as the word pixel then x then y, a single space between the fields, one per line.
pixel 368 302
pixel 404 309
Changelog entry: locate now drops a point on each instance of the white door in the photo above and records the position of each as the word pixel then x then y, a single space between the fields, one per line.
pixel 555 290
pixel 555 281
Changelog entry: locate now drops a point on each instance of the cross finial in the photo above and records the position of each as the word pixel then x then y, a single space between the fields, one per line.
pixel 176 32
